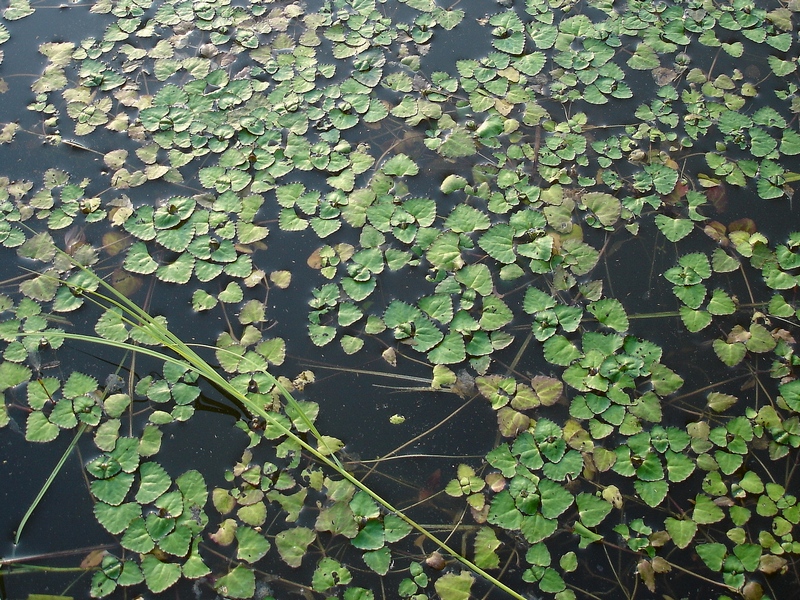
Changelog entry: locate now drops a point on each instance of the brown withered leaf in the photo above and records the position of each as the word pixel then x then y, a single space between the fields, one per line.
pixel 647 574
pixel 93 559
pixel 770 564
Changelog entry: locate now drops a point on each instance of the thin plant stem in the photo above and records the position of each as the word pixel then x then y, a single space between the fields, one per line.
pixel 17 560
pixel 43 490
pixel 420 436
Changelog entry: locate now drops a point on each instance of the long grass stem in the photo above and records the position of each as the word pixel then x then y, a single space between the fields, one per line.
pixel 43 490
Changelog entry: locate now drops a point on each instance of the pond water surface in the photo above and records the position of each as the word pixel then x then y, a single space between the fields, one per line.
pixel 533 263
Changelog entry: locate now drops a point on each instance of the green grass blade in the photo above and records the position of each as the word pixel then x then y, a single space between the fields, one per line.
pixel 43 490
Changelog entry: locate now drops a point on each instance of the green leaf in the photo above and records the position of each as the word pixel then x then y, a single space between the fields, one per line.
pixel 486 544
pixel 459 143
pixel 439 307
pixel 652 492
pixel 42 288
pixel 512 44
pixel 453 183
pixel 154 482
pixel 400 165
pixel 498 243
pixel 79 384
pixel 338 518
pixel 730 354
pixel 111 326
pixel 177 543
pixel 749 555
pixel 536 300
pixel 721 303
pixel 131 574
pixel 568 562
pixel 604 206
pixel 587 535
pixel 476 277
pixel 158 527
pixel 761 143
pixel 539 249
pixel 681 531
pixel 752 483
pixel 328 445
pixel 445 252
pixel 17 9
pixel 712 554
pixel 178 271
pixel 694 320
pixel 399 313
pixel 358 290
pixel 251 545
pixel 454 587
pixel 591 509
pixel 538 555
pixel 679 466
pixel 351 344
pixel 395 528
pixel 728 463
pixel 555 499
pixel 495 314
pixel 292 544
pixel 661 177
pixel 159 575
pixel 173 211
pixel 105 438
pixel 112 491
pixel 723 262
pixel 424 335
pixel 551 582
pixel 790 142
pixel 665 381
pixel 532 63
pixel 705 511
pixel 116 519
pixel 325 227
pixel 768 190
pixel 239 583
pixel 379 560
pixel 558 350
pixel 504 512
pixel 674 229
pixel 12 374
pixel 790 392
pixel 579 256
pixel 781 68
pixel 650 468
pixel 760 339
pixel 321 334
pixel 370 537
pixel 137 538
pixel 610 313
pixel 644 59
pixel 719 402
pixel 330 573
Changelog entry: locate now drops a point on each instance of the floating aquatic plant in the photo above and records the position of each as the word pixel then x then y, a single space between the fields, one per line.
pixel 500 184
